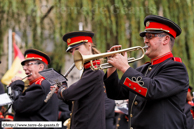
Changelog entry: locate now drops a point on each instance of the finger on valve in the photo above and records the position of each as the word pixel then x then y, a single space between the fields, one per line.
pixel 115 48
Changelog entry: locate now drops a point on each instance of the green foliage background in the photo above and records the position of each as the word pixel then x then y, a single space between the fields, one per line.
pixel 112 21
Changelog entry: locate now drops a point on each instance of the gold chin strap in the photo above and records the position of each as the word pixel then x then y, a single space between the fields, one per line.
pixel 158 29
pixel 78 42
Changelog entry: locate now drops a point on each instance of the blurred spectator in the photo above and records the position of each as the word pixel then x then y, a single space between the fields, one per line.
pixel 188 110
pixel 8 117
pixel 121 115
pixel 109 110
pixel 2 90
pixel 121 120
pixel 64 111
pixel 1 118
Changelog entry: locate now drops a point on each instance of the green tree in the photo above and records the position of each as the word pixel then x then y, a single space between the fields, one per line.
pixel 112 21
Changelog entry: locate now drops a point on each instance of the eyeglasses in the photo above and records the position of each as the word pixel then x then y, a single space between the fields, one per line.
pixel 30 63
pixel 150 35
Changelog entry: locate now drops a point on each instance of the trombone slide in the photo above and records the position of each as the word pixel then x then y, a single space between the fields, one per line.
pixel 49 95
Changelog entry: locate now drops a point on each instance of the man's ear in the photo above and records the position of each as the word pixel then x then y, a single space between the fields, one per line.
pixel 41 67
pixel 166 40
pixel 89 45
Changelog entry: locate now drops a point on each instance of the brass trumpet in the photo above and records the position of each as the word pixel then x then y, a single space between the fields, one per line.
pixel 80 59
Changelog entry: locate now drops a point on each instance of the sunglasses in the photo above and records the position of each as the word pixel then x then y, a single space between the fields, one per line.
pixel 150 35
pixel 30 63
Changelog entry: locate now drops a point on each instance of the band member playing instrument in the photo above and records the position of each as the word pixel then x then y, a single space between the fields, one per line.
pixel 189 109
pixel 88 111
pixel 157 90
pixel 8 117
pixel 1 92
pixel 110 112
pixel 64 111
pixel 29 105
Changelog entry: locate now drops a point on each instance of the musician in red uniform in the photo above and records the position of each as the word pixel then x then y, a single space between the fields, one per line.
pixel 87 94
pixel 190 98
pixel 157 90
pixel 8 117
pixel 1 119
pixel 29 105
pixel 189 109
pixel 2 90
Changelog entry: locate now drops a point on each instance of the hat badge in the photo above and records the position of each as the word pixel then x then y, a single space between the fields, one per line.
pixel 68 40
pixel 147 23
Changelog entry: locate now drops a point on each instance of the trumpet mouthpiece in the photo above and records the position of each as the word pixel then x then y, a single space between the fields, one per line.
pixel 145 47
pixel 27 76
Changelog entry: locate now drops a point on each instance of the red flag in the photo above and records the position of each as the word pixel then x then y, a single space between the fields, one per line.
pixel 16 68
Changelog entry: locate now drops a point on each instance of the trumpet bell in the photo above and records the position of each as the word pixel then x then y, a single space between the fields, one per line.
pixel 78 60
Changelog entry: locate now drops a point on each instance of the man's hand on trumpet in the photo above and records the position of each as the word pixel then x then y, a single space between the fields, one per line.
pixel 16 90
pixel 15 78
pixel 119 61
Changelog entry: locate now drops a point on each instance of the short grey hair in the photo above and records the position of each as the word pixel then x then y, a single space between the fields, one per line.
pixel 172 39
pixel 171 42
pixel 41 62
